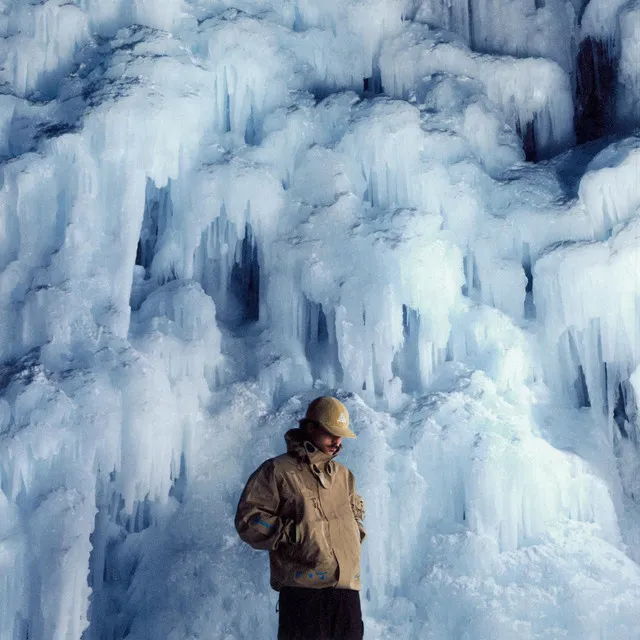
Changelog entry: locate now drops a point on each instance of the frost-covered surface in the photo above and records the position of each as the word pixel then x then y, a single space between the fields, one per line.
pixel 213 211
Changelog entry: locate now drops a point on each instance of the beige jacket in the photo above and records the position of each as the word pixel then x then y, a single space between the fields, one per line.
pixel 302 507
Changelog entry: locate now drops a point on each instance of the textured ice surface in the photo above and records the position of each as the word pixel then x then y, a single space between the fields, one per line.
pixel 213 211
pixel 516 28
pixel 528 91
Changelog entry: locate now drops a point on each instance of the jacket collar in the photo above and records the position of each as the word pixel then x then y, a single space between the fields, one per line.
pixel 321 464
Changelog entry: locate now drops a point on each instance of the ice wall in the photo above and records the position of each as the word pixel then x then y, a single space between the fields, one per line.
pixel 72 216
pixel 208 217
pixel 597 344
pixel 39 45
pixel 522 29
pixel 376 198
pixel 530 92
pixel 592 41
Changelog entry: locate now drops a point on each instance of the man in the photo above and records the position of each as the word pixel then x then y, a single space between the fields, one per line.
pixel 302 506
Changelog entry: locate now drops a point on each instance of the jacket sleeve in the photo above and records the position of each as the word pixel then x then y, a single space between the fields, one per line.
pixel 357 506
pixel 257 520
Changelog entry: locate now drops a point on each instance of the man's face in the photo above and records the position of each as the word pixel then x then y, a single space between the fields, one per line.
pixel 323 440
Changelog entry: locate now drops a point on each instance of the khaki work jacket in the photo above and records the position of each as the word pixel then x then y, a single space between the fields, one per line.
pixel 302 507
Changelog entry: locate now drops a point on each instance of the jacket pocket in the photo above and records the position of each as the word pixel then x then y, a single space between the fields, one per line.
pixel 311 549
pixel 310 509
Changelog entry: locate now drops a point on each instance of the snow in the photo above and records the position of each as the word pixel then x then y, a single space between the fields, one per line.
pixel 212 212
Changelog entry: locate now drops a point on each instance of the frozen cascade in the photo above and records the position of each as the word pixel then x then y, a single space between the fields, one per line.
pixel 544 98
pixel 373 21
pixel 68 246
pixel 57 430
pixel 526 222
pixel 369 322
pixel 207 218
pixel 498 26
pixel 241 95
pixel 158 210
pixel 602 340
pixel 39 44
pixel 495 504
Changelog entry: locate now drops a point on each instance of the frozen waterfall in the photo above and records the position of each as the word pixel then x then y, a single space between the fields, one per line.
pixel 212 211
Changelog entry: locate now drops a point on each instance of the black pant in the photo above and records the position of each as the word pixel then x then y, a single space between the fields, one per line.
pixel 320 614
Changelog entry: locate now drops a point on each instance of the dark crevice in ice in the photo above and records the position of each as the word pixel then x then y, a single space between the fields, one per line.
pixel 320 343
pixel 158 211
pixel 244 283
pixel 156 218
pixel 298 23
pixel 580 11
pixel 406 363
pixel 21 627
pixel 372 86
pixel 528 136
pixel 179 486
pixel 448 357
pixel 472 37
pixel 620 416
pixel 227 266
pixel 529 303
pixel 227 106
pixel 114 557
pixel 472 278
pixel 572 165
pixel 596 76
pixel 250 130
pixel 580 387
